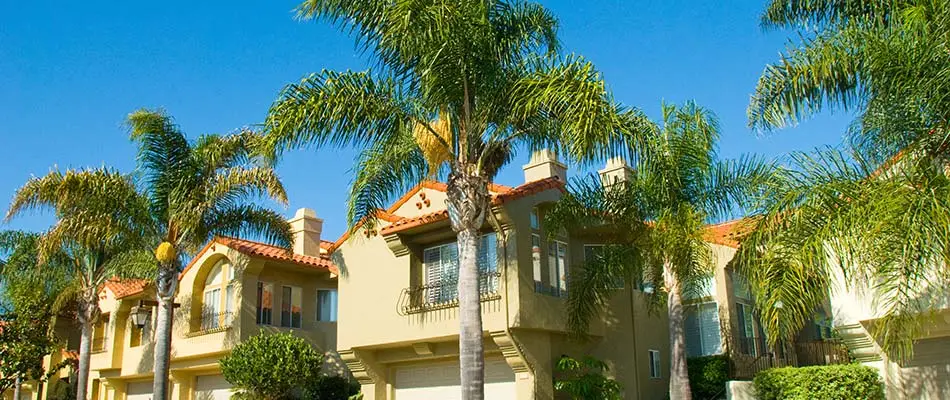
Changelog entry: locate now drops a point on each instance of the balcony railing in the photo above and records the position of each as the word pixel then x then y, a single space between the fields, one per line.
pixel 802 354
pixel 443 294
pixel 823 352
pixel 211 320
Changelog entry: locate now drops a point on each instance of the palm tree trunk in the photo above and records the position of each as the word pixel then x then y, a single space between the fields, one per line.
pixel 679 375
pixel 471 349
pixel 16 388
pixel 166 284
pixel 468 203
pixel 85 348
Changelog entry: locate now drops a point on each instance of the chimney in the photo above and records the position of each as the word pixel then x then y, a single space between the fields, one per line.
pixel 544 164
pixel 306 228
pixel 615 171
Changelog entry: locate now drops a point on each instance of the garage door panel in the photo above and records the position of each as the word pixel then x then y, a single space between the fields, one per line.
pixel 138 391
pixel 441 381
pixel 212 387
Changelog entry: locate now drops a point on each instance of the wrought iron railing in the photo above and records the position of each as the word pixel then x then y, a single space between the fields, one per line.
pixel 823 352
pixel 444 294
pixel 211 320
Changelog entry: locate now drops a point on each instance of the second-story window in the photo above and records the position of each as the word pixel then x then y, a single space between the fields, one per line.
pixel 536 250
pixel 265 303
pixel 218 297
pixel 100 333
pixel 441 269
pixel 326 305
pixel 138 336
pixel 557 267
pixel 291 302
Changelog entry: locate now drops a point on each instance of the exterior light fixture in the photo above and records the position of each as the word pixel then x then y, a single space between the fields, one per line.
pixel 141 315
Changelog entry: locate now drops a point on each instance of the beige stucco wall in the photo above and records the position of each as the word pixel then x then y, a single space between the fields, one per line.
pixel 196 352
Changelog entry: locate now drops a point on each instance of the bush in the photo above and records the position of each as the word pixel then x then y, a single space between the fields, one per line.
pixel 708 376
pixel 833 382
pixel 272 367
pixel 585 380
pixel 332 388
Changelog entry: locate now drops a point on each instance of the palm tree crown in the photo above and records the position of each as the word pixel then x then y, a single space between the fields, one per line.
pixel 653 222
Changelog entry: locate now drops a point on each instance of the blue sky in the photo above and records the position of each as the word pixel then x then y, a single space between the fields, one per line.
pixel 71 71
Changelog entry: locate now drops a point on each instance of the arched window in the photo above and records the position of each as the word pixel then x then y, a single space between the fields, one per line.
pixel 218 296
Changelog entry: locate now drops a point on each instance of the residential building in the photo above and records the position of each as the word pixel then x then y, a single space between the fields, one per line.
pixel 926 375
pixel 231 290
pixel 399 322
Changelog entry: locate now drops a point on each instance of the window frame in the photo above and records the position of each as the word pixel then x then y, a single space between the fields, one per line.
pixel 442 287
pixel 261 285
pixel 558 278
pixel 293 290
pixel 654 359
pixel 697 307
pixel 334 312
pixel 222 311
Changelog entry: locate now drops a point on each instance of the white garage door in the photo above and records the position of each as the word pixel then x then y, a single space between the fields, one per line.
pixel 138 391
pixel 441 381
pixel 212 387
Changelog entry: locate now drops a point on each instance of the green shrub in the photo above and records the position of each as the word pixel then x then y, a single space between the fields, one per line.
pixel 272 367
pixel 585 380
pixel 832 382
pixel 332 388
pixel 708 376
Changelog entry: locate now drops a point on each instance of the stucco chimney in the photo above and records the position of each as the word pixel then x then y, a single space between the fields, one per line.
pixel 306 228
pixel 544 164
pixel 615 171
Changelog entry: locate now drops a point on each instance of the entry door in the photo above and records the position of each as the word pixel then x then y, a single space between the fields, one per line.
pixel 441 381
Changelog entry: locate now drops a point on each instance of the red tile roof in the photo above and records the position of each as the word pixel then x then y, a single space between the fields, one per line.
pixel 413 222
pixel 252 248
pixel 728 233
pixel 505 194
pixel 126 287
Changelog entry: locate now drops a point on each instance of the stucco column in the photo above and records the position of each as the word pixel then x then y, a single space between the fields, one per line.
pixel 181 385
pixel 372 376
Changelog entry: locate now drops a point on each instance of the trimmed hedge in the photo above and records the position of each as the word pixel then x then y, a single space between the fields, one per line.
pixel 831 382
pixel 708 376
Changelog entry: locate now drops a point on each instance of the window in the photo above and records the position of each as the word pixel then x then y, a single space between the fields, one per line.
pixel 703 335
pixel 265 303
pixel 655 364
pixel 535 221
pixel 536 261
pixel 218 297
pixel 557 267
pixel 100 334
pixel 291 301
pixel 441 269
pixel 326 305
pixel 750 334
pixel 741 288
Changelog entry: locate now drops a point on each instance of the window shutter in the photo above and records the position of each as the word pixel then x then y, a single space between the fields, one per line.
pixel 432 259
pixel 709 321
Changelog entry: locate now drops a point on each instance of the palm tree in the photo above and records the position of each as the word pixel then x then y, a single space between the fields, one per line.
pixel 194 191
pixel 93 240
pixel 459 87
pixel 872 215
pixel 653 223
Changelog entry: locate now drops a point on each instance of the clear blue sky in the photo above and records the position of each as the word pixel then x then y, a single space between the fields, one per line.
pixel 71 71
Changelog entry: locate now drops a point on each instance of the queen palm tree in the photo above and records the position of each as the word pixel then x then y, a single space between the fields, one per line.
pixel 194 191
pixel 653 223
pixel 872 214
pixel 458 88
pixel 92 241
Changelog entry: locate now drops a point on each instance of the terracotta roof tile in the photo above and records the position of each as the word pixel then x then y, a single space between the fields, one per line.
pixel 413 222
pixel 126 287
pixel 252 248
pixel 505 194
pixel 381 214
pixel 529 189
pixel 728 233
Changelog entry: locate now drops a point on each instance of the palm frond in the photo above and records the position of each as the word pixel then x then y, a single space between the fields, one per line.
pixel 247 221
pixel 382 173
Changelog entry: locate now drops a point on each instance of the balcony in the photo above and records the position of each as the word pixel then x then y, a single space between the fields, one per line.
pixel 211 322
pixel 444 294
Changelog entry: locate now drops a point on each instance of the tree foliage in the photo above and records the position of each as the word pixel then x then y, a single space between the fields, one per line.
pixel 875 214
pixel 272 366
pixel 585 379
